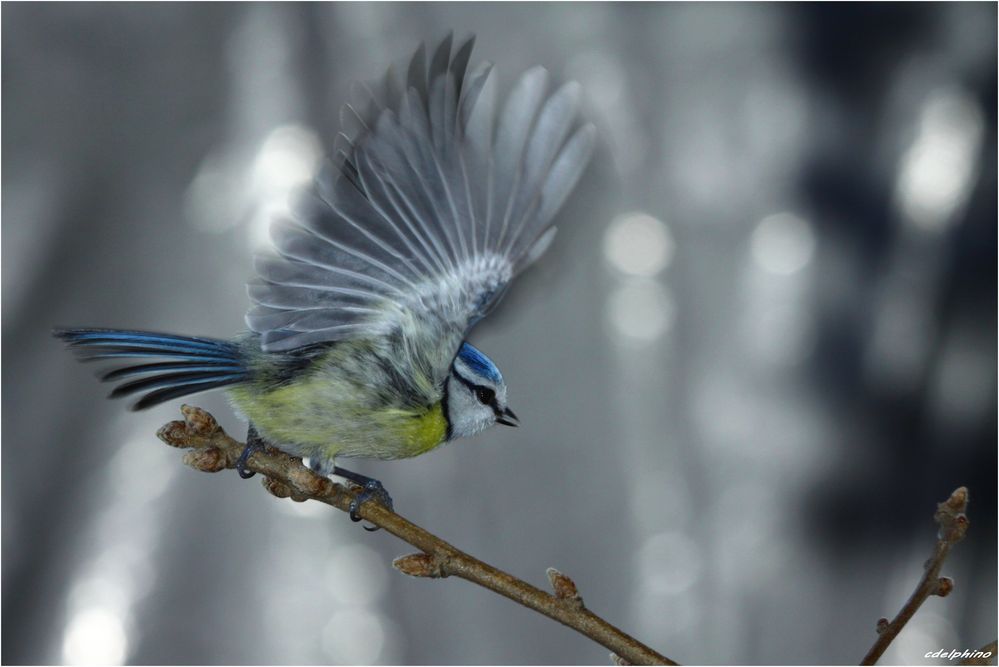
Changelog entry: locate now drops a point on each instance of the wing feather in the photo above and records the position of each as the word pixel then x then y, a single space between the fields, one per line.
pixel 553 125
pixel 435 198
pixel 515 123
pixel 365 249
pixel 459 64
pixel 414 140
pixel 416 75
pixel 565 171
pixel 392 204
pixel 442 57
pixel 477 112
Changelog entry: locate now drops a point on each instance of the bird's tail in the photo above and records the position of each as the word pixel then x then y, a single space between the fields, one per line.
pixel 186 365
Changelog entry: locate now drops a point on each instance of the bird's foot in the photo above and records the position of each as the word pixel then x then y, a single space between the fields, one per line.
pixel 372 490
pixel 254 443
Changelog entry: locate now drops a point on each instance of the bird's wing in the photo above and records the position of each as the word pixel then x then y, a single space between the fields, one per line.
pixel 433 203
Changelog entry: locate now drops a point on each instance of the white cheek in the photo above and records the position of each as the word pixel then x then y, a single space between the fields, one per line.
pixel 468 416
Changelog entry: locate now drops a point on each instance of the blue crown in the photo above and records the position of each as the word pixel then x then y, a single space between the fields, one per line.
pixel 479 363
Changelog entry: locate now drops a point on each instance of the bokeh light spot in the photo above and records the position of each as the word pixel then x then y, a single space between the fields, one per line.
pixel 95 636
pixel 638 244
pixel 783 244
pixel 288 158
pixel 938 170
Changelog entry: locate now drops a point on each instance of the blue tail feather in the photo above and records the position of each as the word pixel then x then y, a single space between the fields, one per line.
pixel 190 366
pixel 138 353
pixel 112 336
pixel 197 364
pixel 169 380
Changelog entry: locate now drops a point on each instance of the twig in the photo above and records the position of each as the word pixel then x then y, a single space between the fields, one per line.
pixel 285 476
pixel 953 525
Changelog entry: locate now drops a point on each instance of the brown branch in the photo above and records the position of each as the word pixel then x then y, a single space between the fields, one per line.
pixel 953 525
pixel 213 450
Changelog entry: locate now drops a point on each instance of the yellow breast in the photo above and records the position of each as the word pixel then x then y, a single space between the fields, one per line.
pixel 312 418
pixel 422 432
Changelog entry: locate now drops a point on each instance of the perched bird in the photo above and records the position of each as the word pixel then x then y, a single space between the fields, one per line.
pixel 356 346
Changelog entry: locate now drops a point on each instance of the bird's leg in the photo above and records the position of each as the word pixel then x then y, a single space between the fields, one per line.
pixel 373 490
pixel 254 443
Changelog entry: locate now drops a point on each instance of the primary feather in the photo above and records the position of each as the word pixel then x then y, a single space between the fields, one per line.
pixel 426 213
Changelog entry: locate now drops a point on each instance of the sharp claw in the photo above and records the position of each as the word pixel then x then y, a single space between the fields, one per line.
pixel 355 517
pixel 373 490
pixel 243 458
pixel 253 444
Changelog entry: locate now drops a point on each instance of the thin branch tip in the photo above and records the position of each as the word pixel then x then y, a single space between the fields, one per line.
pixel 951 517
pixel 953 522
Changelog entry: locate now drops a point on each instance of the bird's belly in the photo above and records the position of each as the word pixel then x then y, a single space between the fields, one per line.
pixel 318 423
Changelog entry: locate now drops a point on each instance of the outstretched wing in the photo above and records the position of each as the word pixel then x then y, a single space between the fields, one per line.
pixel 431 206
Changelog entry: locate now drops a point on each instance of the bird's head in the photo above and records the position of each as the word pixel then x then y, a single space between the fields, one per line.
pixel 475 394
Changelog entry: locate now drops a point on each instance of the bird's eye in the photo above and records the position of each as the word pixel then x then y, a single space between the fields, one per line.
pixel 485 395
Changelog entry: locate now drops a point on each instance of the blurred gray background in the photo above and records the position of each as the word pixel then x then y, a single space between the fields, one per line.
pixel 762 348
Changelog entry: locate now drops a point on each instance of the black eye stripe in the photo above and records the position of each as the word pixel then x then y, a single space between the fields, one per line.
pixel 476 388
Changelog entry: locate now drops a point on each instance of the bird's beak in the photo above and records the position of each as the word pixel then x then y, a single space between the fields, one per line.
pixel 508 418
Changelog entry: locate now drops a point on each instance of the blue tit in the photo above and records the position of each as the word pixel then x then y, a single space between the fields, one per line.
pixel 435 199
